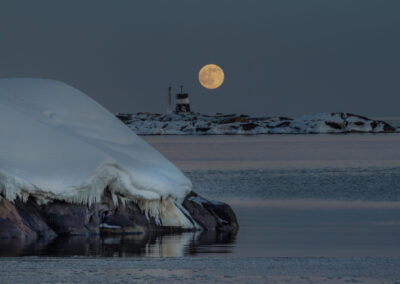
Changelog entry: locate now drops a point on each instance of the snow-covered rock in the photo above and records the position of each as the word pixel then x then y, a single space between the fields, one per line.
pixel 58 146
pixel 214 124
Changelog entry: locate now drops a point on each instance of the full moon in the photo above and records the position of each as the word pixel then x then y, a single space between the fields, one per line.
pixel 211 76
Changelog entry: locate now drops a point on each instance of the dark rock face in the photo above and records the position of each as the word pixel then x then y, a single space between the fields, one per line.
pixel 249 126
pixel 211 215
pixel 283 124
pixel 31 213
pixel 29 220
pixel 126 219
pixel 124 117
pixel 335 125
pixel 387 128
pixel 12 225
pixel 200 214
pixel 70 219
pixel 202 129
pixel 242 118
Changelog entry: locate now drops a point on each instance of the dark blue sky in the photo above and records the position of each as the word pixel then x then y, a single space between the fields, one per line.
pixel 279 57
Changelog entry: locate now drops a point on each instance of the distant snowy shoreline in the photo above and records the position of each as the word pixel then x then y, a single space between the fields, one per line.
pixel 232 124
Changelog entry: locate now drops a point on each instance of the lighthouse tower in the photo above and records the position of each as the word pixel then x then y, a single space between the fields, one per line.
pixel 182 102
pixel 169 108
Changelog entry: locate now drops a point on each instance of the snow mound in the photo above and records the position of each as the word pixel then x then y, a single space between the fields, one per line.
pixel 219 124
pixel 57 143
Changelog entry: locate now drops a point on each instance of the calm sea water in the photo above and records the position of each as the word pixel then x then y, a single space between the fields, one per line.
pixel 299 195
pixel 311 208
pixel 294 195
pixel 365 184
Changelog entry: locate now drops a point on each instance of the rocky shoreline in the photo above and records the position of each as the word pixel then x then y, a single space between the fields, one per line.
pixel 31 220
pixel 233 124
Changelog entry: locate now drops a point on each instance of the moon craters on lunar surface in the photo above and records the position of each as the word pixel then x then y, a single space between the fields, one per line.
pixel 211 76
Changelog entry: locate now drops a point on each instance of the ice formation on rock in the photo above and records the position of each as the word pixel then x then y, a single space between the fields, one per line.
pixel 57 143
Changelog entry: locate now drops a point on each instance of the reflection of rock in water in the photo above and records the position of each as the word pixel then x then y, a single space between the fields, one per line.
pixel 117 231
pixel 212 242
pixel 165 245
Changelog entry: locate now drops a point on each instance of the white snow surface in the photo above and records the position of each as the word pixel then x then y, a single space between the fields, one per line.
pixel 57 143
pixel 220 124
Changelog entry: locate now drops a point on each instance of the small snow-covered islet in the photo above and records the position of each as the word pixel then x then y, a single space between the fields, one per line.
pixel 68 166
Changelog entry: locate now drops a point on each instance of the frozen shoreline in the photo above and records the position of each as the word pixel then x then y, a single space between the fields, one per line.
pixel 232 124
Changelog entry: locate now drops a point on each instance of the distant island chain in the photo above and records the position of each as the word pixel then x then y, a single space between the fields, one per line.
pixel 183 121
pixel 191 123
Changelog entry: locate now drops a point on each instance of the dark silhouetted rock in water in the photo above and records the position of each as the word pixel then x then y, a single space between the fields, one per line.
pixel 149 244
pixel 30 220
pixel 211 215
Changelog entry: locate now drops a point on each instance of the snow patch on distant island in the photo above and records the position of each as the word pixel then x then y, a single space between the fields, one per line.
pixel 219 124
pixel 57 143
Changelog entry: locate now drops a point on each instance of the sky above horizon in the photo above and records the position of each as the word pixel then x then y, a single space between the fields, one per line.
pixel 279 57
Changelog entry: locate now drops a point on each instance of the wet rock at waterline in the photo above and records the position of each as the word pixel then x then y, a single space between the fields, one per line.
pixel 29 220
